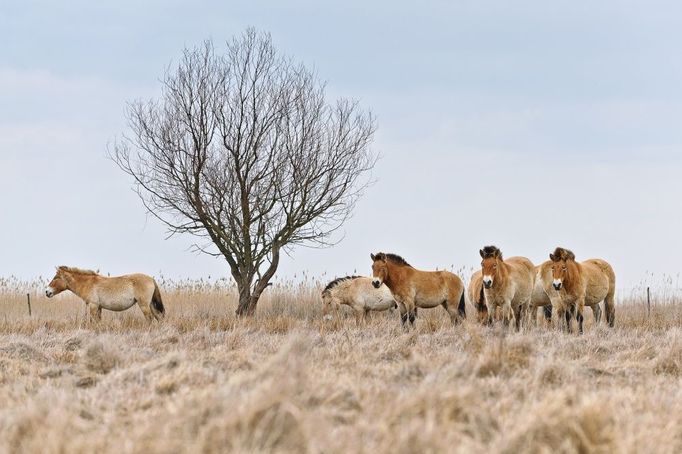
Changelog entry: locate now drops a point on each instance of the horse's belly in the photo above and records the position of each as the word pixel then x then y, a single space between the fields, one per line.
pixel 379 304
pixel 120 305
pixel 595 296
pixel 117 301
pixel 429 301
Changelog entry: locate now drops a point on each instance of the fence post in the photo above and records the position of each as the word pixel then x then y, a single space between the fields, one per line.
pixel 648 302
pixel 28 298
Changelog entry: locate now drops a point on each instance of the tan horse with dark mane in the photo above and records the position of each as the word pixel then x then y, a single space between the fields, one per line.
pixel 571 286
pixel 413 288
pixel 507 284
pixel 111 293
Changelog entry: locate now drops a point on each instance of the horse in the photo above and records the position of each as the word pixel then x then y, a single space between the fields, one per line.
pixel 111 293
pixel 413 288
pixel 507 284
pixel 541 298
pixel 358 293
pixel 476 296
pixel 575 285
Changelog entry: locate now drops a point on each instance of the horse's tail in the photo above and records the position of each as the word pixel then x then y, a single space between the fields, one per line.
pixel 461 309
pixel 156 303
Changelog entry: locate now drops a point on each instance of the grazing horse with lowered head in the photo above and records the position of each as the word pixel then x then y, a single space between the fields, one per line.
pixel 358 293
pixel 571 286
pixel 413 288
pixel 507 284
pixel 111 293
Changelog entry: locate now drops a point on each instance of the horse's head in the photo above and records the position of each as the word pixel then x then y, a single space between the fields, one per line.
pixel 379 269
pixel 58 283
pixel 559 259
pixel 491 256
pixel 328 302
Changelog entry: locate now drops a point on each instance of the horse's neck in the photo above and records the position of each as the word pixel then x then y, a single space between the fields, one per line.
pixel 81 285
pixel 573 274
pixel 503 275
pixel 396 273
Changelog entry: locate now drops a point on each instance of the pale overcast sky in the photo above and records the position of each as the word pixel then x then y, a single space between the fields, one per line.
pixel 526 124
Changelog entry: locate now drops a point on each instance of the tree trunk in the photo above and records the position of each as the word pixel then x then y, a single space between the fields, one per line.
pixel 247 302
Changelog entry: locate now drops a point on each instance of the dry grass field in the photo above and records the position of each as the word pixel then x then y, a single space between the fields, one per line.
pixel 288 381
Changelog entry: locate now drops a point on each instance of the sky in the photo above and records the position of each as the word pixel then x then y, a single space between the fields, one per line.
pixel 525 124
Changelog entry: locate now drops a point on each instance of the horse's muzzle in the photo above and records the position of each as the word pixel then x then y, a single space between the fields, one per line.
pixel 48 293
pixel 376 284
pixel 557 286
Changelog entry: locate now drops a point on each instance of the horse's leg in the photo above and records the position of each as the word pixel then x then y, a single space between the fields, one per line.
pixel 410 311
pixel 547 312
pixel 146 310
pixel 563 318
pixel 580 306
pixel 596 311
pixel 610 308
pixel 569 315
pixel 491 313
pixel 413 316
pixel 507 313
pixel 95 313
pixel 452 311
pixel 365 315
pixel 529 311
pixel 403 313
pixel 519 313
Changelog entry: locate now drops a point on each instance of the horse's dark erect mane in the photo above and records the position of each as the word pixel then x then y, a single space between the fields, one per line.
pixel 337 281
pixel 563 254
pixel 491 251
pixel 71 269
pixel 392 257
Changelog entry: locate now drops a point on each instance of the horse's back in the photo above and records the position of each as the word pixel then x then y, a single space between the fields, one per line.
pixel 600 276
pixel 521 263
pixel 138 282
pixel 475 287
pixel 603 265
pixel 453 281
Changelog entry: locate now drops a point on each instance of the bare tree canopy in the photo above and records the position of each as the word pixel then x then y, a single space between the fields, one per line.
pixel 243 150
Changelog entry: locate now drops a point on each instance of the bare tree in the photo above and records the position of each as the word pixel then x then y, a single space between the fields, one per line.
pixel 243 150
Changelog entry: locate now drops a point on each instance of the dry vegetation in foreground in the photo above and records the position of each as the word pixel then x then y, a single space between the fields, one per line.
pixel 203 381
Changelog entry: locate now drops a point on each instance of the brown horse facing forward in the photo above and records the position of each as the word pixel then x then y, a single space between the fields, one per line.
pixel 111 293
pixel 413 288
pixel 541 298
pixel 507 284
pixel 571 286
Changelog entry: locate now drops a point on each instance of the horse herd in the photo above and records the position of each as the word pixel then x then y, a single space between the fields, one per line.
pixel 508 289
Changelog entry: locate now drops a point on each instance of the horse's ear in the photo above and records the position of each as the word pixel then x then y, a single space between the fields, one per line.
pixel 371 256
pixel 480 251
pixel 552 257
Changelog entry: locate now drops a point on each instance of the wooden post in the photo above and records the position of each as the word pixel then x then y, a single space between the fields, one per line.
pixel 28 298
pixel 648 302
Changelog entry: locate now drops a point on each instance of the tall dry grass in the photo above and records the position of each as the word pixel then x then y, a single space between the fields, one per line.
pixel 288 381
